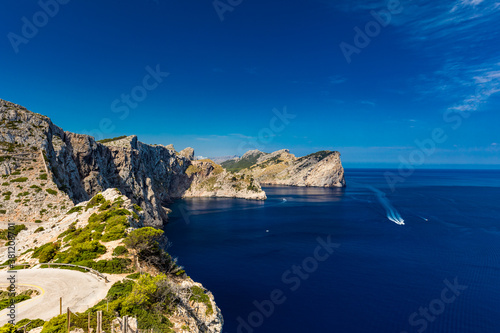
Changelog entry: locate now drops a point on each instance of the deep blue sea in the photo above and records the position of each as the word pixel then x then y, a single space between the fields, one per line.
pixel 339 260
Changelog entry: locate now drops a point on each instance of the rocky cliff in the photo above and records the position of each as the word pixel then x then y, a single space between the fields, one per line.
pixel 99 234
pixel 44 166
pixel 322 168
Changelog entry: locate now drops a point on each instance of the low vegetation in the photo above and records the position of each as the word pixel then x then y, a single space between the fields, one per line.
pixel 199 295
pixel 112 139
pixel 243 163
pixel 19 180
pixel 75 209
pixel 19 326
pixel 95 201
pixel 5 300
pixel 51 191
pixel 320 155
pixel 4 233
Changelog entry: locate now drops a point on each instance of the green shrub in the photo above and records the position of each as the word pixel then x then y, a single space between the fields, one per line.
pixel 57 324
pixel 115 228
pixel 105 205
pixel 104 216
pixel 150 298
pixel 37 188
pixel 38 221
pixel 113 266
pixel 119 250
pixel 71 229
pixel 51 191
pixel 180 272
pixel 39 229
pixel 4 303
pixel 3 211
pixel 112 139
pixel 4 233
pixel 75 210
pixel 32 323
pixel 137 208
pixel 200 296
pixel 145 242
pixel 43 176
pixel 19 180
pixel 143 238
pixel 119 289
pixel 95 201
pixel 118 203
pixel 81 251
pixel 134 276
pixel 46 252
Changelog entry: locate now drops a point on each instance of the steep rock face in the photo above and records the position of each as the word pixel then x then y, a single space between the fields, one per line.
pixel 79 167
pixel 211 180
pixel 323 169
pixel 151 175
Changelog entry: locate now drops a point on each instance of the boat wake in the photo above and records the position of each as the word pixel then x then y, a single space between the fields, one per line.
pixel 392 214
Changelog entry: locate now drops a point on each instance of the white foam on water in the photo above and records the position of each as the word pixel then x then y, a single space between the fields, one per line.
pixel 392 214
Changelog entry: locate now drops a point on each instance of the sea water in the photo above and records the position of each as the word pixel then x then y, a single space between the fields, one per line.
pixel 420 256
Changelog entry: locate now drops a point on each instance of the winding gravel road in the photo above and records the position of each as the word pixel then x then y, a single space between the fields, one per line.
pixel 78 290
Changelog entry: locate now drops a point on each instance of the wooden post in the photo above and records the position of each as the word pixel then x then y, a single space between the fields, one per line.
pixel 125 324
pixel 99 321
pixel 60 305
pixel 89 323
pixel 69 320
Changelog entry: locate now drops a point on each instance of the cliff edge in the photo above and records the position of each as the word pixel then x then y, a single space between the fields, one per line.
pixel 44 167
pixel 323 168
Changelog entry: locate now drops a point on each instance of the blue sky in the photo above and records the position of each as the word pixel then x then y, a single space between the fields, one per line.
pixel 270 75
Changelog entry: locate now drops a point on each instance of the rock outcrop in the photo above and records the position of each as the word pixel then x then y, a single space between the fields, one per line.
pixel 323 168
pixel 188 313
pixel 209 179
pixel 77 167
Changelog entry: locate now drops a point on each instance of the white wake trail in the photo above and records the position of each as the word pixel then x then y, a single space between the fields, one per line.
pixel 392 214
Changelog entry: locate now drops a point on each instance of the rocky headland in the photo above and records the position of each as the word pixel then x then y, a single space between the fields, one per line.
pixel 323 168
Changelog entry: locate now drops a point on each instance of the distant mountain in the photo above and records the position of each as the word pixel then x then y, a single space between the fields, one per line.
pixel 322 168
pixel 220 159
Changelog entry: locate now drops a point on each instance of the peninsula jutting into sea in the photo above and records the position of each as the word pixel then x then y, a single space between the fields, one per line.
pixel 94 205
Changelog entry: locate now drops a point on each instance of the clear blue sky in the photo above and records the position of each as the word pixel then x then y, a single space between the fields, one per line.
pixel 432 66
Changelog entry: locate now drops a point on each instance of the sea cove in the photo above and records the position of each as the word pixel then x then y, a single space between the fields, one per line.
pixel 437 272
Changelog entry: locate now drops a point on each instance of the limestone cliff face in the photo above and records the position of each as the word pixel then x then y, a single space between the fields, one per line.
pixel 323 168
pixel 209 179
pixel 77 167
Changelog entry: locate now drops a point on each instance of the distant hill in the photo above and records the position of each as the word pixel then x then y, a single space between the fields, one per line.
pixel 221 159
pixel 322 168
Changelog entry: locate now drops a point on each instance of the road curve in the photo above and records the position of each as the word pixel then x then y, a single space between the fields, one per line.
pixel 79 292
